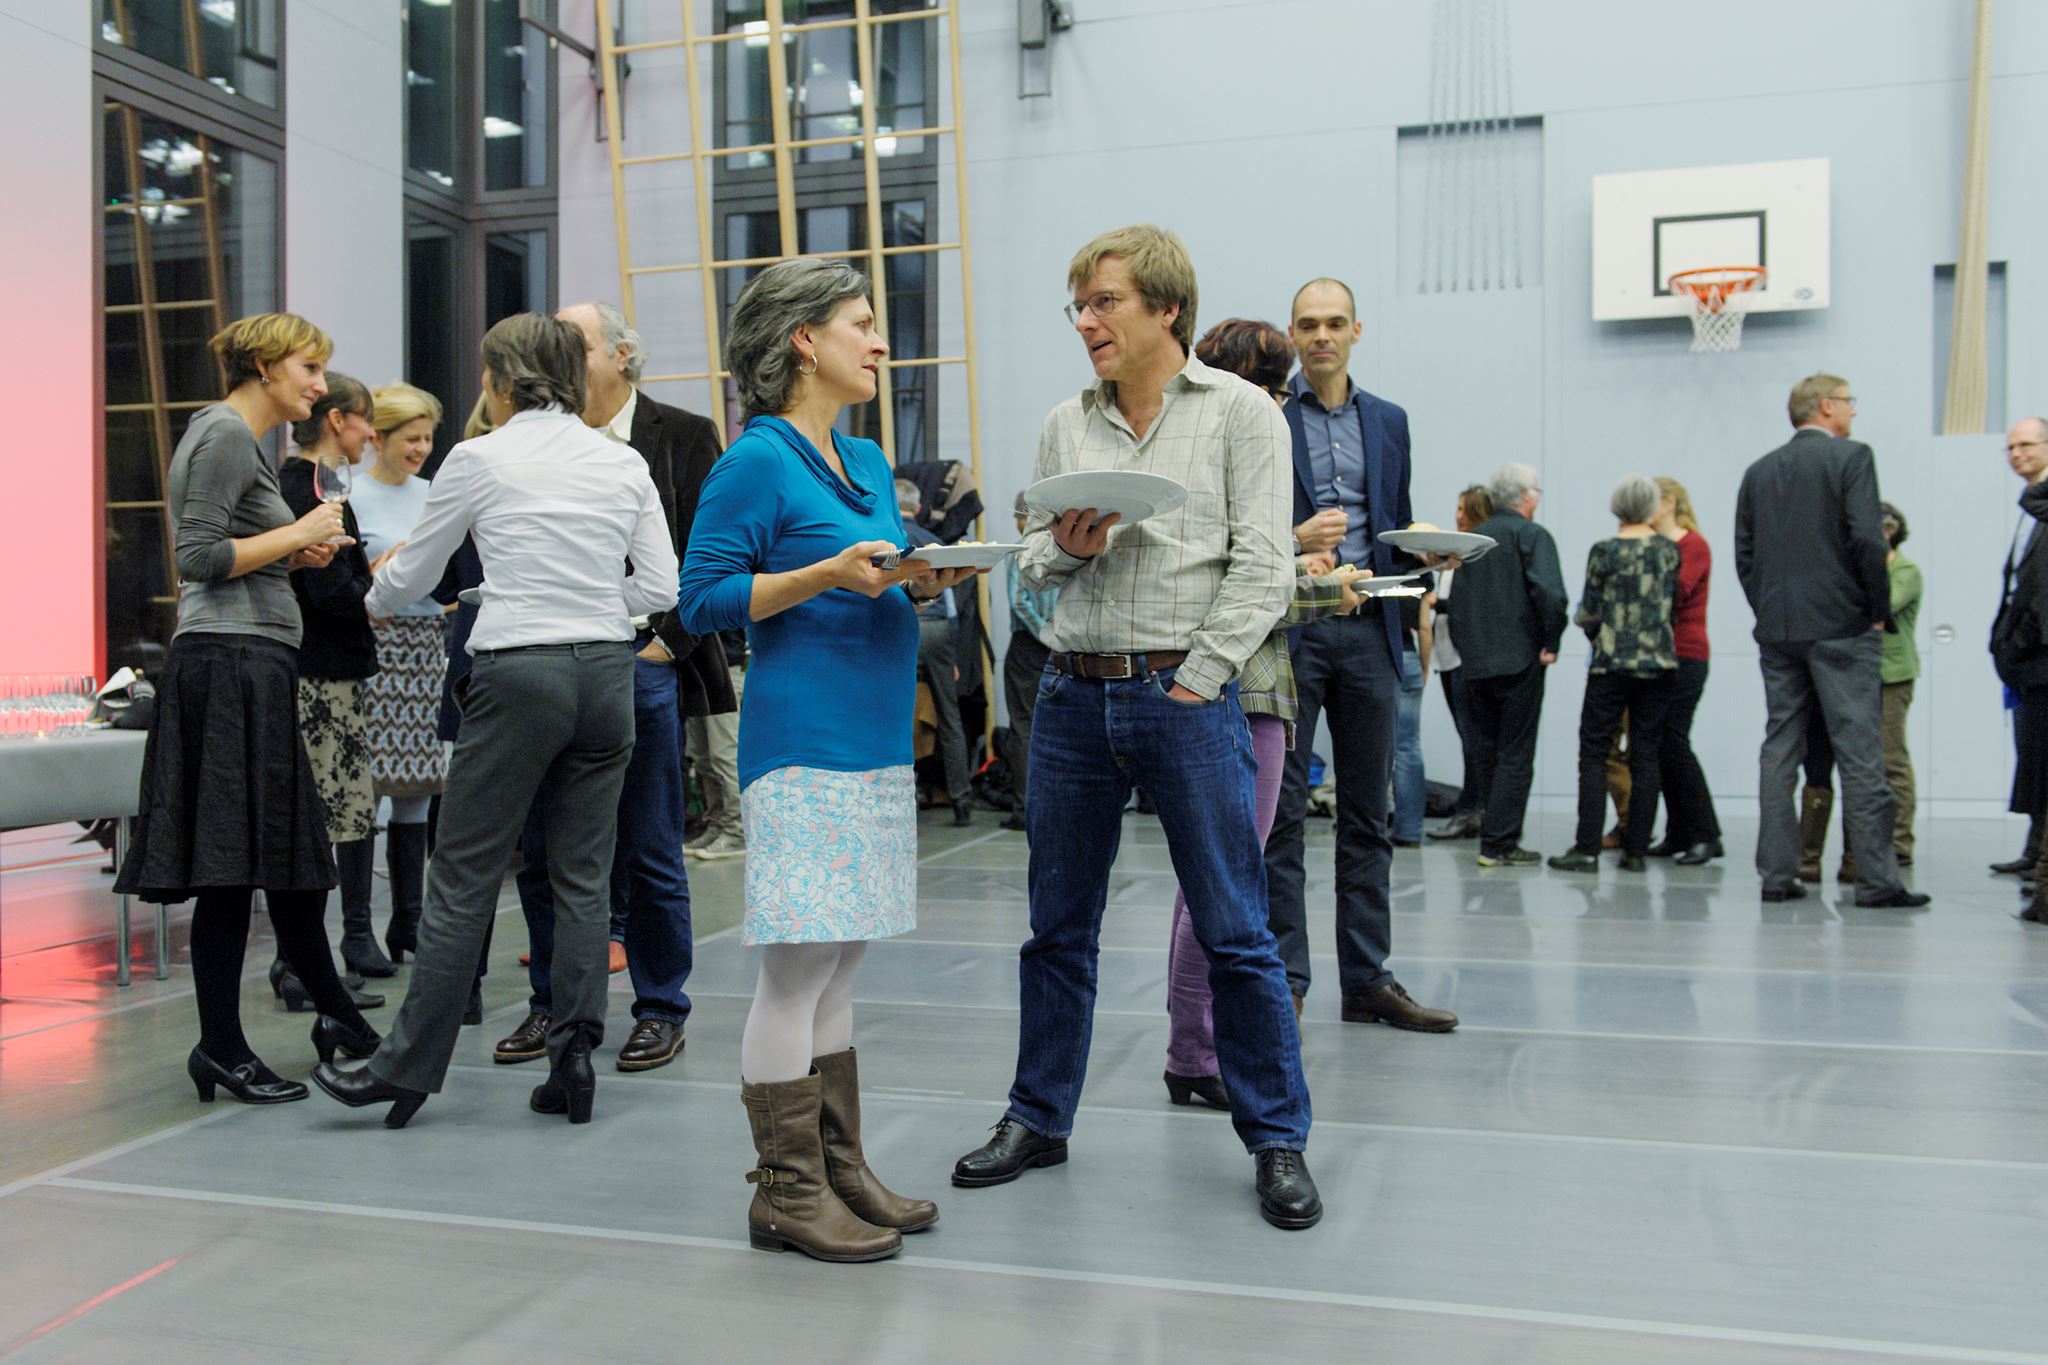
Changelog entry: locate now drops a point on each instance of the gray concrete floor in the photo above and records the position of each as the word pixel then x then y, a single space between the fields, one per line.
pixel 1677 1126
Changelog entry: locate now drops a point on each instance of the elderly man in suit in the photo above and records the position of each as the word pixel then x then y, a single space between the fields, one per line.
pixel 674 674
pixel 1350 485
pixel 2019 649
pixel 1810 551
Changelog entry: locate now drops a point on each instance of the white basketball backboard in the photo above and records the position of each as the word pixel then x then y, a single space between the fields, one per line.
pixel 1648 225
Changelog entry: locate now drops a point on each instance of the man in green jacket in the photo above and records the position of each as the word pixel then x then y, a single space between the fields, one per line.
pixel 1899 666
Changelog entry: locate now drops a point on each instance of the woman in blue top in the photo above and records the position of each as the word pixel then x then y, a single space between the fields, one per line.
pixel 786 527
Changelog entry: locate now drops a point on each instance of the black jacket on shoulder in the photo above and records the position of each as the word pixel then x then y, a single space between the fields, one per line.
pixel 1809 544
pixel 1510 605
pixel 680 447
pixel 2019 634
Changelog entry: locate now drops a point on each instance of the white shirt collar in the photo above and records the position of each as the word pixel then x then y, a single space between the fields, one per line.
pixel 620 428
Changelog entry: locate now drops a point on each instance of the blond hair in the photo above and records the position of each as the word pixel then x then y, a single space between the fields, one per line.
pixel 399 403
pixel 1681 501
pixel 1804 404
pixel 1159 265
pixel 245 345
pixel 479 423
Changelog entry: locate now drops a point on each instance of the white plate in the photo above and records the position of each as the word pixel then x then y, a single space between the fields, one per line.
pixel 965 555
pixel 1132 494
pixel 1404 585
pixel 1464 544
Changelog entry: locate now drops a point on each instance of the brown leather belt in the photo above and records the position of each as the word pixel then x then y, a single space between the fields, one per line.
pixel 1111 667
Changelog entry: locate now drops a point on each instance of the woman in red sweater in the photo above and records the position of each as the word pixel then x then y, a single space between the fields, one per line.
pixel 1691 831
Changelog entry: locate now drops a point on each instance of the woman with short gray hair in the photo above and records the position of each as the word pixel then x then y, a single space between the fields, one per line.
pixel 1631 583
pixel 790 527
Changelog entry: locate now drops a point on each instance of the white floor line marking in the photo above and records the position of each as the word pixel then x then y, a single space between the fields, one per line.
pixel 1936 1049
pixel 911 1260
pixel 1189 1114
pixel 966 843
pixel 225 1109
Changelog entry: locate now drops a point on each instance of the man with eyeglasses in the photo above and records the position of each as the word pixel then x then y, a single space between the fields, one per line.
pixel 1154 622
pixel 1810 551
pixel 1350 465
pixel 2019 649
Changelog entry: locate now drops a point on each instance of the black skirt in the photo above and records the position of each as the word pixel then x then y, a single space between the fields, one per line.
pixel 228 797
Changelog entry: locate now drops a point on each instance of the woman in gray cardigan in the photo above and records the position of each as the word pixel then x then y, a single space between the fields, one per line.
pixel 229 803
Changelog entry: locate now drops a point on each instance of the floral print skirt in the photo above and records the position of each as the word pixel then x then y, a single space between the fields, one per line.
pixel 334 719
pixel 831 856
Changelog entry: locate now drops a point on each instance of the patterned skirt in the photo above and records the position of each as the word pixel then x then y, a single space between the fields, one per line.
pixel 831 856
pixel 405 707
pixel 334 718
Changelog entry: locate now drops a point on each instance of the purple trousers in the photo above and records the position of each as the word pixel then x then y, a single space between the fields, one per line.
pixel 1190 1038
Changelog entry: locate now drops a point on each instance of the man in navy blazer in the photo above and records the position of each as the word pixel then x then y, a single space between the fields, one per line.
pixel 1350 486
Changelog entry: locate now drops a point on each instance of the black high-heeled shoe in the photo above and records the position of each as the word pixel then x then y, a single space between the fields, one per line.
pixel 278 972
pixel 330 1034
pixel 297 1001
pixel 251 1082
pixel 571 1088
pixel 361 1087
pixel 1205 1090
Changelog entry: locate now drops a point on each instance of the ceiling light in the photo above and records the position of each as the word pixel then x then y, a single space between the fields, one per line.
pixel 498 127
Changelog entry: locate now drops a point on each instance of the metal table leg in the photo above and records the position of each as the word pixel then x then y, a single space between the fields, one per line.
pixel 121 940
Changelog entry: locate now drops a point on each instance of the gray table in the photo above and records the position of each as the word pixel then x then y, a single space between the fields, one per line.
pixel 94 776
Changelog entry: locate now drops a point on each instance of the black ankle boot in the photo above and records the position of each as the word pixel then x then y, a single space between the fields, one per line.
pixel 1204 1090
pixel 405 858
pixel 331 1035
pixel 358 940
pixel 571 1088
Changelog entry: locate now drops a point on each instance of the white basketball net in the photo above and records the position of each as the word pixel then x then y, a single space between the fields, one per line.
pixel 1719 299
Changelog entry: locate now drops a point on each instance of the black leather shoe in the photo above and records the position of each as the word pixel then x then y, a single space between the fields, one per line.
pixel 2019 865
pixel 1634 862
pixel 1457 827
pixel 571 1088
pixel 360 1087
pixel 1199 1090
pixel 251 1082
pixel 1898 898
pixel 1577 860
pixel 652 1043
pixel 1014 821
pixel 1287 1192
pixel 526 1043
pixel 1794 892
pixel 2036 912
pixel 296 999
pixel 1014 1150
pixel 1700 854
pixel 1392 1005
pixel 331 1035
pixel 963 814
pixel 1670 848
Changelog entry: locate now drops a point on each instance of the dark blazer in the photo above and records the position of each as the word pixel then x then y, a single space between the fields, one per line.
pixel 2019 635
pixel 1809 544
pixel 1511 604
pixel 1386 478
pixel 336 643
pixel 680 448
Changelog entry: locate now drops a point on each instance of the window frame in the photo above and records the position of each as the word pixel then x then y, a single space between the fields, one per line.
pixel 199 98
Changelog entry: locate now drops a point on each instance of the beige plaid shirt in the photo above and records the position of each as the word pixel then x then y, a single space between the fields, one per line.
pixel 1211 577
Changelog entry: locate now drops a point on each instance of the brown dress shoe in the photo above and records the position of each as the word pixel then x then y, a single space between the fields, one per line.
pixel 527 1043
pixel 794 1207
pixel 652 1043
pixel 1392 1005
pixel 856 1185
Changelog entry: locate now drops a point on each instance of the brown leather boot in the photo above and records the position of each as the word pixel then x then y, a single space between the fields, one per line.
pixel 794 1206
pixel 1816 806
pixel 856 1185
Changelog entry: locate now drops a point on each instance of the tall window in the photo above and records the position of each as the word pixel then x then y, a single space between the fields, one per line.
pixel 189 161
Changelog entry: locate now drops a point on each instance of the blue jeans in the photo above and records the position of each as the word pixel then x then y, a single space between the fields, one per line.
pixel 1410 791
pixel 650 891
pixel 1090 741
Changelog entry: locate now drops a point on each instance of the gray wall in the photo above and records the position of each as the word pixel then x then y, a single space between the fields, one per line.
pixel 1265 133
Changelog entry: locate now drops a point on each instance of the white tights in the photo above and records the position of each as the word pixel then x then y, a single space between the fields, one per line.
pixel 803 1008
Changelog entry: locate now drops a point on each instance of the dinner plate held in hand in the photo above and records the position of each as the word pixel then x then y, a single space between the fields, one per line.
pixel 1398 585
pixel 1132 494
pixel 1464 544
pixel 966 555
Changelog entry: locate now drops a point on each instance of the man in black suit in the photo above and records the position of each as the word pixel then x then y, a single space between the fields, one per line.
pixel 2019 650
pixel 1810 551
pixel 673 672
pixel 1350 485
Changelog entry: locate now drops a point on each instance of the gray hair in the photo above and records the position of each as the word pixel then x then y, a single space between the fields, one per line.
pixel 804 292
pixel 1635 499
pixel 619 332
pixel 536 361
pixel 908 498
pixel 1511 483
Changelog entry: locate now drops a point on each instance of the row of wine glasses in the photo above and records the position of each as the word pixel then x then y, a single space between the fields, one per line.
pixel 38 705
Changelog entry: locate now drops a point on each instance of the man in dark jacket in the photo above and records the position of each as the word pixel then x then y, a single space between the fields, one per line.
pixel 1509 613
pixel 1810 551
pixel 2019 648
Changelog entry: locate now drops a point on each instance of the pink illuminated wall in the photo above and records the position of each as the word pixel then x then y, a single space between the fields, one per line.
pixel 49 542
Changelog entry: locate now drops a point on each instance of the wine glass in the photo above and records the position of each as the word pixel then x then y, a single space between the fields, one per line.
pixel 333 476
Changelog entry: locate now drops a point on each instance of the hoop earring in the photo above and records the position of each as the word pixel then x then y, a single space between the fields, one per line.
pixel 799 369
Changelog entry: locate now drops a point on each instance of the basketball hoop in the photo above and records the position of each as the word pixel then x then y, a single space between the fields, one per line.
pixel 1719 298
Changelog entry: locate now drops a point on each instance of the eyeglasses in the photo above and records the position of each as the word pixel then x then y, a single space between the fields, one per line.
pixel 1101 305
pixel 2022 445
pixel 1848 398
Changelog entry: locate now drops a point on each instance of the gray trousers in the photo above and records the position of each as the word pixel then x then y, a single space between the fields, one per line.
pixel 715 748
pixel 1841 678
pixel 553 715
pixel 936 659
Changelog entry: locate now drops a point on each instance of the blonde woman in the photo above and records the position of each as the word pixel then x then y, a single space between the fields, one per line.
pixel 406 760
pixel 1692 832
